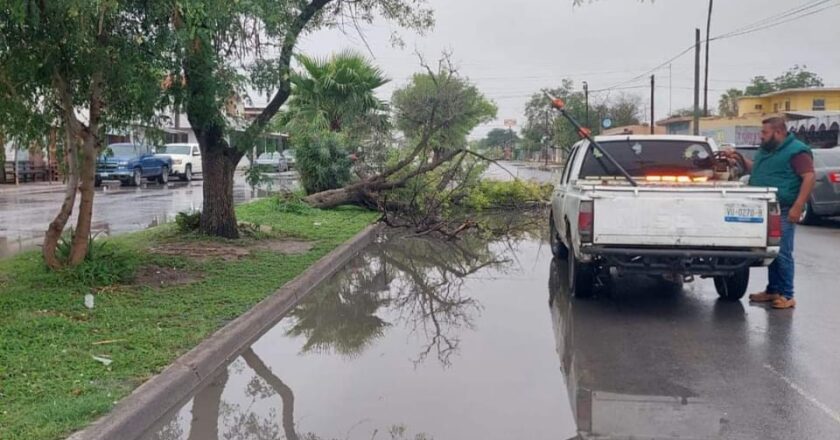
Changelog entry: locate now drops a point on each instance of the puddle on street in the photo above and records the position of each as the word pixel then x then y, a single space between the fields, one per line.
pixel 415 338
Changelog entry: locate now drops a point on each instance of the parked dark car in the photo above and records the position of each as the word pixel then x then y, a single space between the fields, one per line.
pixel 825 199
pixel 130 163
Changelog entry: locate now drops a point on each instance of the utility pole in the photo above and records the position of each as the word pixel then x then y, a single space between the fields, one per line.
pixel 547 134
pixel 586 99
pixel 652 113
pixel 696 130
pixel 706 81
pixel 670 90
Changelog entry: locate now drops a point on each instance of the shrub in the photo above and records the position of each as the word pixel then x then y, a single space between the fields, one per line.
pixel 293 203
pixel 102 265
pixel 323 162
pixel 495 194
pixel 188 221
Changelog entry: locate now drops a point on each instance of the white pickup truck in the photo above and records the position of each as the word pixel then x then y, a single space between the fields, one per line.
pixel 680 216
pixel 186 159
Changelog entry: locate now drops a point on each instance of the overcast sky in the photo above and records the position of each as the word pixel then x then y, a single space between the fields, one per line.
pixel 511 49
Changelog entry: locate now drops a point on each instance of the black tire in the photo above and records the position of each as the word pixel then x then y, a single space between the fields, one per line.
pixel 733 287
pixel 558 249
pixel 581 277
pixel 163 179
pixel 187 176
pixel 808 216
pixel 136 177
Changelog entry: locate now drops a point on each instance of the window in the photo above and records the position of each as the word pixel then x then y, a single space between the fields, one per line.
pixel 776 107
pixel 787 106
pixel 759 107
pixel 819 104
pixel 175 138
pixel 646 157
pixel 569 163
pixel 827 158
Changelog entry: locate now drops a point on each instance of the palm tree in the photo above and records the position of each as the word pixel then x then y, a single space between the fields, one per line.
pixel 330 92
pixel 728 104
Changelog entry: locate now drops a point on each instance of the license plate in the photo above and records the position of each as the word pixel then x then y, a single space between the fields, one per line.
pixel 741 213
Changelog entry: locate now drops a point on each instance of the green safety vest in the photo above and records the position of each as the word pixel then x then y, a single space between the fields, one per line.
pixel 773 169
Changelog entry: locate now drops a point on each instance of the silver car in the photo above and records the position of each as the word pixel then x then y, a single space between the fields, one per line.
pixel 825 199
pixel 273 162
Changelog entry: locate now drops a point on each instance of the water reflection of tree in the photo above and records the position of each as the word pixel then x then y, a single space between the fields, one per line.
pixel 416 280
pixel 208 406
pixel 342 315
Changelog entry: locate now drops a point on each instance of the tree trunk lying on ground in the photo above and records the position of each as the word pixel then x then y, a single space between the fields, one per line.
pixel 366 191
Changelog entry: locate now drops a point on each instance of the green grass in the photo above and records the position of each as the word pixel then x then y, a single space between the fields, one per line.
pixel 49 383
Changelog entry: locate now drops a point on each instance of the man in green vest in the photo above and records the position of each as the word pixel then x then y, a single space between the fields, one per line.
pixel 785 163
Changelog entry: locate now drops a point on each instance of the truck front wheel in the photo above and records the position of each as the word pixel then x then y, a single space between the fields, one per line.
pixel 733 287
pixel 581 277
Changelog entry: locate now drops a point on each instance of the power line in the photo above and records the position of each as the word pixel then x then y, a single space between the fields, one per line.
pixel 759 25
pixel 783 14
pixel 771 25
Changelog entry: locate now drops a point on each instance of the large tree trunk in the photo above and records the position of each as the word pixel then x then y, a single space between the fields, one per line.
pixel 56 228
pixel 87 175
pixel 351 195
pixel 365 192
pixel 218 217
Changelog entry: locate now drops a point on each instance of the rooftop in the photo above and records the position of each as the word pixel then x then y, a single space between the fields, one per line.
pixel 790 91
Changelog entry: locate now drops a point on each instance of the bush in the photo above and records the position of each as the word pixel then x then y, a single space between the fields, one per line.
pixel 495 194
pixel 188 221
pixel 293 204
pixel 102 265
pixel 323 162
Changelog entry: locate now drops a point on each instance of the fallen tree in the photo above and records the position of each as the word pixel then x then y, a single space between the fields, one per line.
pixel 437 110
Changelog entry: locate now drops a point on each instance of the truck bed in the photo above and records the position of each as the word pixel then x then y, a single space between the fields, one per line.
pixel 680 216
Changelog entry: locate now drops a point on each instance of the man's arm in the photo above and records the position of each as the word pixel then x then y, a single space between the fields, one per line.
pixel 732 154
pixel 809 179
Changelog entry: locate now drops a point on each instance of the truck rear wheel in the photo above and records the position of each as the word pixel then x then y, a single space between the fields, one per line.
pixel 733 287
pixel 557 247
pixel 581 277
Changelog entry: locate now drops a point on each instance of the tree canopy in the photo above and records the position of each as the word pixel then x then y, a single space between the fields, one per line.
pixel 542 124
pixel 442 100
pixel 794 78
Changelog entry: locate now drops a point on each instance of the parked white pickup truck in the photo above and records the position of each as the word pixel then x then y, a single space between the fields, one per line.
pixel 186 159
pixel 683 217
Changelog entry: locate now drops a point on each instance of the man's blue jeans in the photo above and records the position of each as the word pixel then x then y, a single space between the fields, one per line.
pixel 780 273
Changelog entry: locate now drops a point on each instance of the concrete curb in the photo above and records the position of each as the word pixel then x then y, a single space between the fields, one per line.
pixel 165 392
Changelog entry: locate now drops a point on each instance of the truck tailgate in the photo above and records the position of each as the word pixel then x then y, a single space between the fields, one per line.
pixel 681 216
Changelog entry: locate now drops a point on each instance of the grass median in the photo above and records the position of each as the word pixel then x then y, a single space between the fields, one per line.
pixel 157 293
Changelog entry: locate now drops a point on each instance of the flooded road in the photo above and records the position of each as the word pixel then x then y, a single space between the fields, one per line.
pixel 478 339
pixel 25 214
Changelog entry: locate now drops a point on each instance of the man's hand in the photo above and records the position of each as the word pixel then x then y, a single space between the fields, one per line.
pixel 795 214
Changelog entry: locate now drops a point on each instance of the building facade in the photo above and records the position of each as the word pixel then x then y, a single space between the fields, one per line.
pixel 791 100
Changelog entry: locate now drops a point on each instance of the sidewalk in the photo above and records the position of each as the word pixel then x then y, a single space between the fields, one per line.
pixel 30 188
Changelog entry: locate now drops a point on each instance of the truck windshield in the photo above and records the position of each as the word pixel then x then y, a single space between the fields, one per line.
pixel 650 158
pixel 123 150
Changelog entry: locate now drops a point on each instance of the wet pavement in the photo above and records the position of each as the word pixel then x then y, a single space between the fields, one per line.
pixel 477 339
pixel 25 212
pixel 507 170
